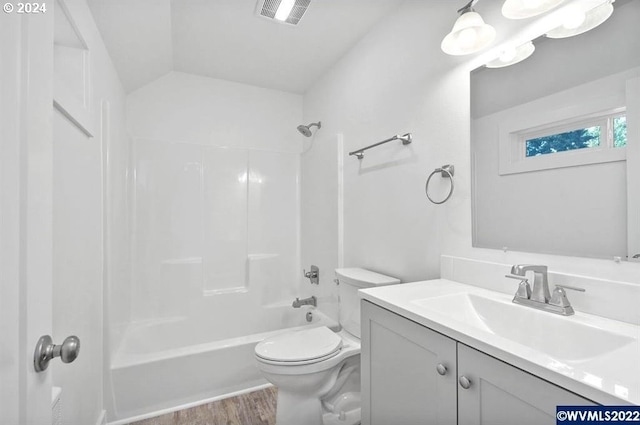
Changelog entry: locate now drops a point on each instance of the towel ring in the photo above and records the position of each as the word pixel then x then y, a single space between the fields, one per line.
pixel 445 171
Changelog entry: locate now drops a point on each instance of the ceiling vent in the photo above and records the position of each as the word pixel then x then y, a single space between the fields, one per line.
pixel 268 8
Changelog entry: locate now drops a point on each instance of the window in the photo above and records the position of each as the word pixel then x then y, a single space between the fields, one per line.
pixel 569 140
pixel 586 124
pixel 608 131
pixel 620 131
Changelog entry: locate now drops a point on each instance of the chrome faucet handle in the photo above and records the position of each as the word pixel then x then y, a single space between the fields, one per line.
pixel 524 289
pixel 313 275
pixel 559 297
pixel 522 278
pixel 573 288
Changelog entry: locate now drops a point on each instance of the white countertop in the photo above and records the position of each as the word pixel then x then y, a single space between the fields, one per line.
pixel 611 378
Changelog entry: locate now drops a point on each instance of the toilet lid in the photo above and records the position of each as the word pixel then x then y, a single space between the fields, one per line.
pixel 301 345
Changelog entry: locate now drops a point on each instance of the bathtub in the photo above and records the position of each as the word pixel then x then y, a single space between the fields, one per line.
pixel 177 363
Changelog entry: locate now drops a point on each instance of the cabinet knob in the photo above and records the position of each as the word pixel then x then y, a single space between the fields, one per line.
pixel 464 382
pixel 442 369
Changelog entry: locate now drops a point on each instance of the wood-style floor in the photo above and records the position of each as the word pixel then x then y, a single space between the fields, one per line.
pixel 256 408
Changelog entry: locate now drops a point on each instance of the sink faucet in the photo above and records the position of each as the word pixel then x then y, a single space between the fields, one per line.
pixel 540 291
pixel 297 303
pixel 539 297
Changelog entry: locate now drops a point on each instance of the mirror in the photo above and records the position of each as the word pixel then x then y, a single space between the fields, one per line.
pixel 556 145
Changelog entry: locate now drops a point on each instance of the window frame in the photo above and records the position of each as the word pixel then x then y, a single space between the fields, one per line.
pixel 605 121
pixel 514 133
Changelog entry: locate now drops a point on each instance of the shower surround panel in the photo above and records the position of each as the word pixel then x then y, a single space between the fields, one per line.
pixel 215 267
pixel 212 221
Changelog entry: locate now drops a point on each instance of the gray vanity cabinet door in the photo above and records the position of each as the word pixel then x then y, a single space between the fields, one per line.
pixel 500 394
pixel 401 384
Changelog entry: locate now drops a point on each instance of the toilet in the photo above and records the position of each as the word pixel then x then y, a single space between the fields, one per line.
pixel 317 370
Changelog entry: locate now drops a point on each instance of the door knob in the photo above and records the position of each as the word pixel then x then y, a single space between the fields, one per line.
pixel 46 350
pixel 442 369
pixel 464 382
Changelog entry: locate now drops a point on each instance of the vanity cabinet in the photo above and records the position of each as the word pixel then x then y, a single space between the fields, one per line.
pixel 401 384
pixel 410 376
pixel 500 393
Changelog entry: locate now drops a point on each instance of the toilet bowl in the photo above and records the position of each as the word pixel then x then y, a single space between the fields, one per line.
pixel 317 371
pixel 312 361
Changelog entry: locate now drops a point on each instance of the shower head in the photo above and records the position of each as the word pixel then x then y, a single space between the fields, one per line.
pixel 305 130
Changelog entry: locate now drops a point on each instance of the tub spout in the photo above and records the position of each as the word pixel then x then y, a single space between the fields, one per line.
pixel 297 303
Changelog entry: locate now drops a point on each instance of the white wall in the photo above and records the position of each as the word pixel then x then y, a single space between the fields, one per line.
pixel 394 81
pixel 78 274
pixel 183 107
pixel 397 80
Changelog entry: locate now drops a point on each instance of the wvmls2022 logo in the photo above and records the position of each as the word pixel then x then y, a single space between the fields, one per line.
pixel 597 415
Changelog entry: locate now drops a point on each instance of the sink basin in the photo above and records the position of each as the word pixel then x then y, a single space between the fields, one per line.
pixel 563 338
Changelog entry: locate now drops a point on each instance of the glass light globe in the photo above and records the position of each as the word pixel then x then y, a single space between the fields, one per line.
pixel 467 38
pixel 470 34
pixel 531 4
pixel 593 18
pixel 508 54
pixel 574 18
pixel 511 55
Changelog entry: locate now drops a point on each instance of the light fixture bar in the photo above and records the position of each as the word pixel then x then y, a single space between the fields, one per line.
pixel 468 7
pixel 284 10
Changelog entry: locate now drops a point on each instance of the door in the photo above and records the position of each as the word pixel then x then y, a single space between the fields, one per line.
pixel 26 75
pixel 496 393
pixel 408 371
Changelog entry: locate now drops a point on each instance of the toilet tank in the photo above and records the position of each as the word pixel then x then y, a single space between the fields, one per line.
pixel 349 281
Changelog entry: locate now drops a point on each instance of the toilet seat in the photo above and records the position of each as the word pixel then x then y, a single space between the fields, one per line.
pixel 299 348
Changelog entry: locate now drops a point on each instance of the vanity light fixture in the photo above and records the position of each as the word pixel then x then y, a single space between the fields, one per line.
pixel 512 55
pixel 578 21
pixel 574 16
pixel 470 33
pixel 522 9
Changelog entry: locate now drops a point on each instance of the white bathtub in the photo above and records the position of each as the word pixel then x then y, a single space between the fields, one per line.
pixel 172 364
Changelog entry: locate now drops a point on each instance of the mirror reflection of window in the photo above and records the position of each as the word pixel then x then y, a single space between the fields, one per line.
pixel 613 134
pixel 553 148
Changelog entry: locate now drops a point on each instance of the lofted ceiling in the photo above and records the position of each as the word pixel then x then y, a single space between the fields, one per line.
pixel 225 39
